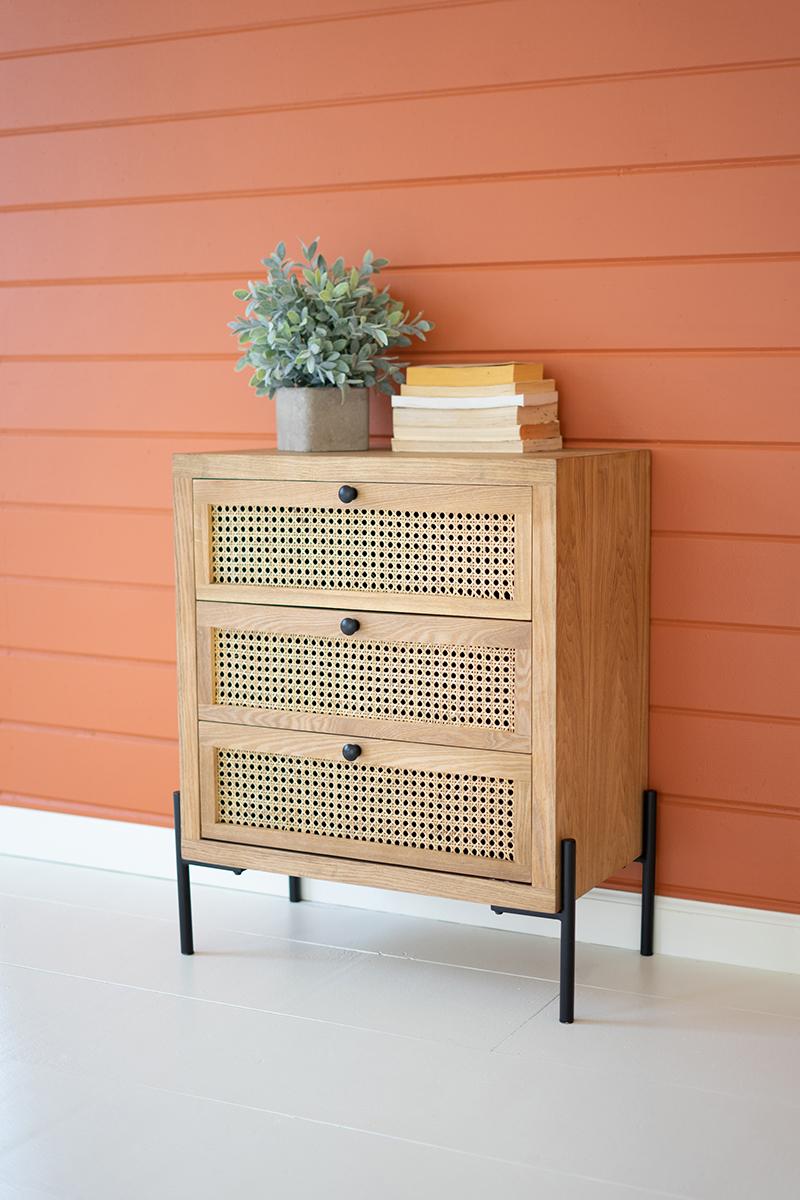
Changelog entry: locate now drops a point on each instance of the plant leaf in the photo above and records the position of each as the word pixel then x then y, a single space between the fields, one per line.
pixel 311 324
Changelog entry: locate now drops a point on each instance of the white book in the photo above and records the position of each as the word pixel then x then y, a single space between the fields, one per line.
pixel 482 401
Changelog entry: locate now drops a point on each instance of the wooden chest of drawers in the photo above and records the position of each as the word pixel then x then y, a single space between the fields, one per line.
pixel 414 672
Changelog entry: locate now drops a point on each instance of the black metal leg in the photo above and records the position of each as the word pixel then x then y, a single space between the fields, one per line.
pixel 648 861
pixel 294 889
pixel 566 1001
pixel 566 914
pixel 566 918
pixel 184 890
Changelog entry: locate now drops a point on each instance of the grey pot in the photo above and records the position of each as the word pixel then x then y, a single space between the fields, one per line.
pixel 322 419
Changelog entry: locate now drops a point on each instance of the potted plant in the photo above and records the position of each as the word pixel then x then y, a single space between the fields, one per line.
pixel 317 337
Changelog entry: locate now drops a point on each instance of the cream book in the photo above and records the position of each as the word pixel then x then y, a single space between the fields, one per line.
pixel 508 433
pixel 474 400
pixel 475 418
pixel 437 447
pixel 486 389
pixel 470 374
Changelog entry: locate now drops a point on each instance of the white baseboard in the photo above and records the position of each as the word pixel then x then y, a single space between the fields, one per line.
pixel 748 937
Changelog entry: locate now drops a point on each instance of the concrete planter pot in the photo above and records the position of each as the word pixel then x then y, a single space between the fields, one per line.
pixel 322 419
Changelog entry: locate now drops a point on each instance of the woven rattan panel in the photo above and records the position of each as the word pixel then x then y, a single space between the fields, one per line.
pixel 364 550
pixel 434 683
pixel 392 806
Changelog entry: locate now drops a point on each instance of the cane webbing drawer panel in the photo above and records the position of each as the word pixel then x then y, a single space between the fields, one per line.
pixel 458 810
pixel 451 680
pixel 421 549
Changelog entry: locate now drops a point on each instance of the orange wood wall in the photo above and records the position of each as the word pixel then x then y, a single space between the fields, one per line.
pixel 609 186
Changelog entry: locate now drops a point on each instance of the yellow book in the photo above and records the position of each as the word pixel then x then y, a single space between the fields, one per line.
pixel 529 388
pixel 475 374
pixel 436 447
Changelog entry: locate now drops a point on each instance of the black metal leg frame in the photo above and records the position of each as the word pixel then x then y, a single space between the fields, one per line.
pixel 566 914
pixel 184 890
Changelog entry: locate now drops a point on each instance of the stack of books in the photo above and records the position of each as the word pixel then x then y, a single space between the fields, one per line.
pixel 495 408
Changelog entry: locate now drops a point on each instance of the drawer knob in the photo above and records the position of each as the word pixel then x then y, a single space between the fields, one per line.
pixel 349 625
pixel 351 751
pixel 347 493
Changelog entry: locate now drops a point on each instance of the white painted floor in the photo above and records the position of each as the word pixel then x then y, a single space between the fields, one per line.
pixel 318 1051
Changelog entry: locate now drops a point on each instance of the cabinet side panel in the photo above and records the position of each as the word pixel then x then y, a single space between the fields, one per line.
pixel 543 690
pixel 603 542
pixel 187 656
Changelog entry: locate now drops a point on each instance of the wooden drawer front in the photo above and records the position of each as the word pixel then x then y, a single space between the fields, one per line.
pixel 396 546
pixel 451 680
pixel 463 811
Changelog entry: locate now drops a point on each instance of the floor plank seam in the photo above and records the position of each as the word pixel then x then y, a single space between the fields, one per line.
pixel 543 1055
pixel 355 950
pixel 375 1133
pixel 494 1049
pixel 268 1012
pixel 540 1055
pixel 666 997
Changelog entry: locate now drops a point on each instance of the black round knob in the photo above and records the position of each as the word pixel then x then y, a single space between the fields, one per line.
pixel 347 493
pixel 350 751
pixel 349 625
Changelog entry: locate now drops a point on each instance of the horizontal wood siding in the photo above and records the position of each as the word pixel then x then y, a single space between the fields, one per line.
pixel 610 188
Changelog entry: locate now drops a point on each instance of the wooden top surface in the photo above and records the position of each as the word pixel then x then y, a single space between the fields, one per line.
pixel 382 465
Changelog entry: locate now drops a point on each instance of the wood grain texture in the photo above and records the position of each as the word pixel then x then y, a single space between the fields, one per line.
pixel 187 657
pixel 544 688
pixel 372 466
pixel 308 536
pixel 382 680
pixel 587 580
pixel 602 618
pixel 376 789
pixel 392 877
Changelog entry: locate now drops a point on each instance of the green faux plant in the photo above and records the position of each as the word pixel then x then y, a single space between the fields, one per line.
pixel 315 324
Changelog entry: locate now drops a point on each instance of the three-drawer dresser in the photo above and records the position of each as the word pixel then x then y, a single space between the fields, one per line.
pixel 418 672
